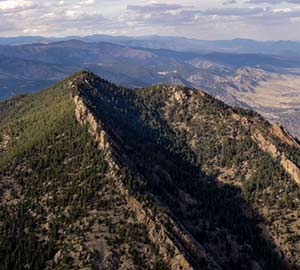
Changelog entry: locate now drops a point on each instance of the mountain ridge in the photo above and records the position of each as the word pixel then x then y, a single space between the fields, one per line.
pixel 172 42
pixel 183 162
pixel 201 94
pixel 109 146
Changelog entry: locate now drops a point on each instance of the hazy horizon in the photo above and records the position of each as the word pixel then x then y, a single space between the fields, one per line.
pixel 144 36
pixel 204 20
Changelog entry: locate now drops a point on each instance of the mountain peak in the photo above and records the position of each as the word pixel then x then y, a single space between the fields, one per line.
pixel 83 74
pixel 84 82
pixel 165 177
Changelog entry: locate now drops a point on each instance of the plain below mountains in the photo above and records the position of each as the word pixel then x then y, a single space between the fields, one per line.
pixel 98 176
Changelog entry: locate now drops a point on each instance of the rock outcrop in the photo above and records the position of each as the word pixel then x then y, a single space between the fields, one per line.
pixel 266 145
pixel 176 246
pixel 284 135
pixel 4 140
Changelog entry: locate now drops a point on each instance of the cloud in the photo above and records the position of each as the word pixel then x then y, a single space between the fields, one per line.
pixel 49 17
pixel 270 2
pixel 73 20
pixel 87 2
pixel 177 15
pixel 6 24
pixel 230 2
pixel 233 11
pixel 220 19
pixel 154 7
pixel 14 6
pixel 242 20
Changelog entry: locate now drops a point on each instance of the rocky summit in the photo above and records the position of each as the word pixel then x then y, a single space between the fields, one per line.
pixel 97 176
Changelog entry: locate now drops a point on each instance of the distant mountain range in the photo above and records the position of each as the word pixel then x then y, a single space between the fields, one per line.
pixel 287 48
pixel 266 83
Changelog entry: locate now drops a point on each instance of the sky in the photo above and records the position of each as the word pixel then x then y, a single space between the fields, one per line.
pixel 200 19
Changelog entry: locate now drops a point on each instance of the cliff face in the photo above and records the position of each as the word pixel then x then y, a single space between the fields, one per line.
pixel 5 138
pixel 284 136
pixel 267 142
pixel 176 245
pixel 96 128
pixel 268 146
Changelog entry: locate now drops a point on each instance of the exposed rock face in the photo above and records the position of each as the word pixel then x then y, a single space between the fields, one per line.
pixel 265 145
pixel 284 136
pixel 176 246
pixel 289 166
pixel 85 117
pixel 269 146
pixel 4 140
pixel 175 237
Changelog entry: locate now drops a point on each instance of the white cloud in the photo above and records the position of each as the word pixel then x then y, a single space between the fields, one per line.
pixel 48 15
pixel 210 19
pixel 87 2
pixel 272 2
pixel 13 6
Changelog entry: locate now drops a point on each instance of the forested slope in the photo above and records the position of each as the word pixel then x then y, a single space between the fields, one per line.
pixel 106 177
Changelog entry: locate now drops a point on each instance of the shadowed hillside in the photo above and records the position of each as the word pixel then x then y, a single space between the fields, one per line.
pixel 98 176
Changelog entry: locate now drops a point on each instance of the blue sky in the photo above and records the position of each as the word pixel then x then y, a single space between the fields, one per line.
pixel 204 19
